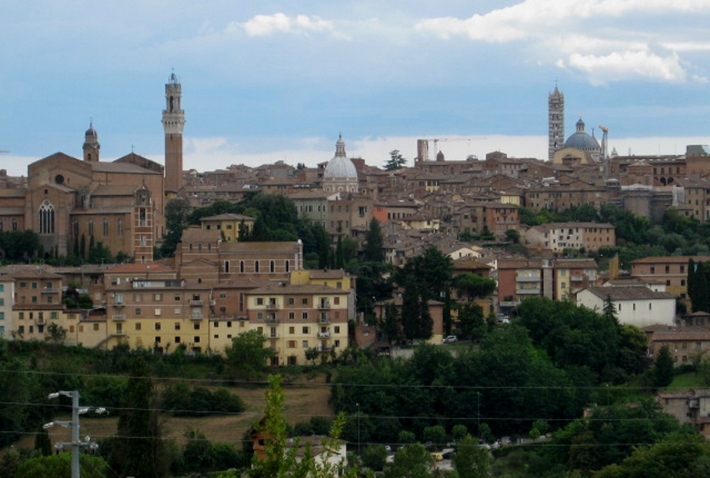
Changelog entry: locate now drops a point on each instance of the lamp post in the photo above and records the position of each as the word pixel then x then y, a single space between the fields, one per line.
pixel 358 428
pixel 76 442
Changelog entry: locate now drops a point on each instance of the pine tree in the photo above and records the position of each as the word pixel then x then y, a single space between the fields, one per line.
pixel 662 371
pixel 139 451
pixel 374 243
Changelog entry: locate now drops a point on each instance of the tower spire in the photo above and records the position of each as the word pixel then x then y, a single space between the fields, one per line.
pixel 173 124
pixel 556 121
pixel 91 143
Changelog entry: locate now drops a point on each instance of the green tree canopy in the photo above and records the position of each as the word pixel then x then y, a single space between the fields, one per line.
pixel 248 355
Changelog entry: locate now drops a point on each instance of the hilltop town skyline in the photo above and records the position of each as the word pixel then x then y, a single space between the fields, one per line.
pixel 276 81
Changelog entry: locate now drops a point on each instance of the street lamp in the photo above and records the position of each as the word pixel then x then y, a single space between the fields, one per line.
pixel 358 428
pixel 76 442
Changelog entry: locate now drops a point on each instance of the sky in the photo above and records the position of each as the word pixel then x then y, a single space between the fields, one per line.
pixel 280 80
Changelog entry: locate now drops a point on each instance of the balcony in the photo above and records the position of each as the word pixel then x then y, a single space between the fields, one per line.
pixel 323 335
pixel 324 320
pixel 576 278
pixel 324 304
pixel 50 290
pixel 273 335
pixel 530 291
pixel 119 317
pixel 118 302
pixel 272 320
pixel 41 321
pixel 196 317
pixel 527 279
pixel 508 303
pixel 197 303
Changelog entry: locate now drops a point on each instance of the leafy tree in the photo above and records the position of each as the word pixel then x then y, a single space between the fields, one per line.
pixel 471 324
pixel 197 453
pixel 99 254
pixel 406 437
pixel 434 434
pixel 247 355
pixel 56 334
pixel 513 236
pixel 412 461
pixel 139 450
pixel 662 371
pixel 698 286
pixel 374 457
pixel 19 246
pixel 677 456
pixel 280 461
pixel 416 322
pixel 471 460
pixel 59 466
pixel 459 431
pixel 395 162
pixel 473 286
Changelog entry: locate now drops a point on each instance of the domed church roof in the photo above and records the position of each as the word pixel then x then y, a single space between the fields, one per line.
pixel 340 166
pixel 581 140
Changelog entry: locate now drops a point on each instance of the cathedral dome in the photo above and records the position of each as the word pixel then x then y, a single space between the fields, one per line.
pixel 581 140
pixel 340 166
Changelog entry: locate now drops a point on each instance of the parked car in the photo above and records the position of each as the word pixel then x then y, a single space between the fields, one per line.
pixel 451 339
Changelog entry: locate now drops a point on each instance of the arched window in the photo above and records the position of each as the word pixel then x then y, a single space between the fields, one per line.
pixel 46 217
pixel 272 266
pixel 120 227
pixel 105 227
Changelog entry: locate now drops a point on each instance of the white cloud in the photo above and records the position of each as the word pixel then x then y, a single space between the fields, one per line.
pixel 261 25
pixel 618 66
pixel 618 49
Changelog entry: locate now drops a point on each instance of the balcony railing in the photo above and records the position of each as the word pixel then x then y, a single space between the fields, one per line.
pixel 119 302
pixel 527 279
pixel 119 317
pixel 50 290
pixel 324 320
pixel 40 321
pixel 323 335
pixel 197 303
pixel 531 291
pixel 272 320
pixel 196 317
pixel 272 305
pixel 324 304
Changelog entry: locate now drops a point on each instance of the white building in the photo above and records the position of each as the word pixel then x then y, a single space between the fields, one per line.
pixel 635 305
pixel 7 297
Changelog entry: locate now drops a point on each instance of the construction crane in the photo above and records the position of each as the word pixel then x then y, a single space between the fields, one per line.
pixel 605 157
pixel 423 152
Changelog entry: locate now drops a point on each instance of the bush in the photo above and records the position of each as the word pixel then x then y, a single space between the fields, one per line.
pixel 182 401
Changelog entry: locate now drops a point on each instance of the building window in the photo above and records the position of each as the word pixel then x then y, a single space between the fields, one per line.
pixel 306 330
pixel 105 227
pixel 226 267
pixel 291 315
pixel 75 228
pixel 304 315
pixel 46 217
pixel 272 266
pixel 256 266
pixel 241 267
pixel 138 312
pixel 157 326
pixel 91 227
pixel 120 227
pixel 138 325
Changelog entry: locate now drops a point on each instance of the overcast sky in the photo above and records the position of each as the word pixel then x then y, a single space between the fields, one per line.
pixel 279 80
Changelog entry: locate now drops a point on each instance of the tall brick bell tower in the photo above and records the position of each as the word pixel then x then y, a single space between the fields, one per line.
pixel 173 124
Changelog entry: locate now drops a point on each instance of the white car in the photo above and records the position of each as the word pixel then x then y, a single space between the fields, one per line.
pixel 451 339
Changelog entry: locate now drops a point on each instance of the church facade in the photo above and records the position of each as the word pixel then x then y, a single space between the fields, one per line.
pixel 74 203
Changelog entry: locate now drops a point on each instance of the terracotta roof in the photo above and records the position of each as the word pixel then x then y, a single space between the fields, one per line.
pixel 228 217
pixel 670 259
pixel 30 271
pixel 139 268
pixel 297 289
pixel 628 293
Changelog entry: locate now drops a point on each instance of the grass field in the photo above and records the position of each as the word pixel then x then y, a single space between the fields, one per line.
pixel 686 380
pixel 301 403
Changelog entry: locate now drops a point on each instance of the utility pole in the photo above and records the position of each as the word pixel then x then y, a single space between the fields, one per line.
pixel 76 443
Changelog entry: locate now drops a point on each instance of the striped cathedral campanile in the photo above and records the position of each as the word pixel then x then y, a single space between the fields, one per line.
pixel 556 119
pixel 173 124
